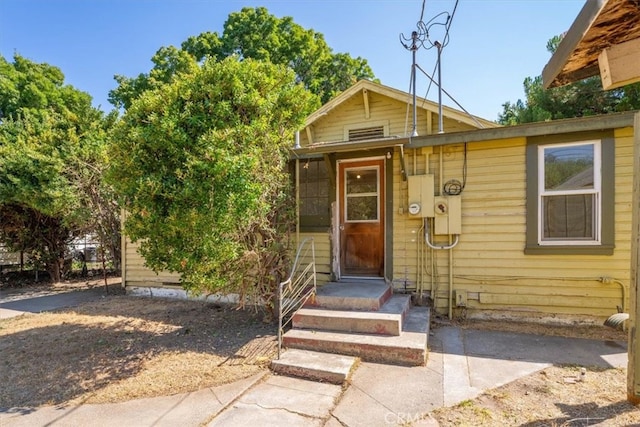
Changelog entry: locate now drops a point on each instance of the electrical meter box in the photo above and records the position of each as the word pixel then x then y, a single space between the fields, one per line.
pixel 421 196
pixel 448 215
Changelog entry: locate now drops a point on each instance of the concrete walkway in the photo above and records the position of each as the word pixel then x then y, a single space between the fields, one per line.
pixel 461 365
pixel 16 302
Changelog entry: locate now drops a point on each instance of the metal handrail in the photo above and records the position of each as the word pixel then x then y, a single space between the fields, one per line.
pixel 298 287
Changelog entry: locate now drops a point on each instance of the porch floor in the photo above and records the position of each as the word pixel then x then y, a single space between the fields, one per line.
pixel 353 294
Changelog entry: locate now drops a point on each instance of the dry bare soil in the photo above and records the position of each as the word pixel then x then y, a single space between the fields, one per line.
pixel 554 397
pixel 123 347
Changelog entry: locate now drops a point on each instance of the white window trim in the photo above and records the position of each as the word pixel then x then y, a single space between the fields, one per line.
pixel 596 191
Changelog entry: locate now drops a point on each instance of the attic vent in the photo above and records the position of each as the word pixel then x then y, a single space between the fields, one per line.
pixel 366 133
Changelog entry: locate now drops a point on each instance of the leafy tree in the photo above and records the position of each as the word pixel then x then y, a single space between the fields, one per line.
pixel 86 170
pixel 579 99
pixel 200 164
pixel 253 33
pixel 50 137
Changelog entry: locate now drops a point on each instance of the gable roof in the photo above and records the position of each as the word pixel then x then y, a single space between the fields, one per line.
pixel 401 96
pixel 600 24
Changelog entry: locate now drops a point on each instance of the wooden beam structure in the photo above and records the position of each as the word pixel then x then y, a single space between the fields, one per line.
pixel 620 64
pixel 601 24
pixel 365 96
pixel 309 136
pixel 633 366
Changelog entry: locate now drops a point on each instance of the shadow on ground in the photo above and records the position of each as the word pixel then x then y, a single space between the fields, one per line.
pixel 52 358
pixel 584 414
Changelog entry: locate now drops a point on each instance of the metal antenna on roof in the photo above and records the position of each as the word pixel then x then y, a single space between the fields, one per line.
pixel 414 49
pixel 424 37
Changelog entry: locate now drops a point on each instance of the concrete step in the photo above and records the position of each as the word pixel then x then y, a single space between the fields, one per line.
pixel 367 295
pixel 408 348
pixel 387 321
pixel 398 303
pixel 316 366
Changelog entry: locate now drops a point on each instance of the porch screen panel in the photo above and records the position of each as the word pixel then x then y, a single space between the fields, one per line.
pixel 314 193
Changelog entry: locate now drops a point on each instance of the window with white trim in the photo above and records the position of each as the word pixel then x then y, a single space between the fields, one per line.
pixel 570 197
pixel 569 189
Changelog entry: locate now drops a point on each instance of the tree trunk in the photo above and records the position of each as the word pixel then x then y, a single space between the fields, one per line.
pixel 54 270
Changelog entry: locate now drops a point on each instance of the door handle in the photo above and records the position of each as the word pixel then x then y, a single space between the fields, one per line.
pixel 341 227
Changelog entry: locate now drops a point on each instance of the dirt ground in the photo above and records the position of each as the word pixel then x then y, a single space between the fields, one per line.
pixel 123 347
pixel 554 397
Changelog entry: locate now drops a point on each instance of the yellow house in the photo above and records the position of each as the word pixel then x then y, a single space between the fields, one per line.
pixel 529 221
pixel 526 222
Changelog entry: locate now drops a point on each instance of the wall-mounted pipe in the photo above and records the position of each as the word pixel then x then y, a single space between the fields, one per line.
pixel 450 300
pixel 296 144
pixel 623 288
pixel 449 247
pixel 624 294
pixel 427 239
pixel 441 171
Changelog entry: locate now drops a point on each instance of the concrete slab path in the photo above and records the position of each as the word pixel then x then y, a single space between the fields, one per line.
pixel 282 401
pixel 187 409
pixel 462 364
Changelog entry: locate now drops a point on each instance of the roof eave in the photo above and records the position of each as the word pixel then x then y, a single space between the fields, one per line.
pixel 348 146
pixel 591 123
pixel 554 127
pixel 552 74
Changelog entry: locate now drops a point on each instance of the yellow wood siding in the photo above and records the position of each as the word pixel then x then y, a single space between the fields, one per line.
pixel 323 255
pixel 397 116
pixel 136 274
pixel 489 264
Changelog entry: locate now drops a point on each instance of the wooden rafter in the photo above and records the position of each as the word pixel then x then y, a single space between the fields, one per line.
pixel 365 96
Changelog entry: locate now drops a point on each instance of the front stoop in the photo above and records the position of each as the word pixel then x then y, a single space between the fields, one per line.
pixel 386 321
pixel 407 348
pixel 363 296
pixel 363 320
pixel 312 365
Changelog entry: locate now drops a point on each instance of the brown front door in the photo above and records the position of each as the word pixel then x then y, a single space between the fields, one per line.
pixel 361 217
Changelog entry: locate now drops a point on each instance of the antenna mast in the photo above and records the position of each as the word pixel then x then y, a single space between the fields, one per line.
pixel 414 49
pixel 422 38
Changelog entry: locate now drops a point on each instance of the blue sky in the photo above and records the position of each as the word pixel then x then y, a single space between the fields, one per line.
pixel 494 44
